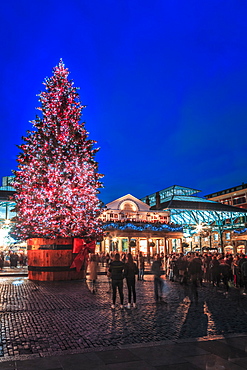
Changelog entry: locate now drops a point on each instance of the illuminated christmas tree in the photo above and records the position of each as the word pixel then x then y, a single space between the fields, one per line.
pixel 57 180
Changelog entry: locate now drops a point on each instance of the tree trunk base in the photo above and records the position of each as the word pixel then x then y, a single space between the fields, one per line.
pixel 50 260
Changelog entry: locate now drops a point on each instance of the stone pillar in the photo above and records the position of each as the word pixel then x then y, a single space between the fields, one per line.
pixel 157 243
pixel 119 241
pixel 148 247
pixel 181 245
pixel 137 245
pixel 169 245
pixel 129 247
pixel 107 243
pixel 102 246
pixel 165 246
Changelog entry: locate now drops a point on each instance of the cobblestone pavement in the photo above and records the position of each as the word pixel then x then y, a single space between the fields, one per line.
pixel 47 318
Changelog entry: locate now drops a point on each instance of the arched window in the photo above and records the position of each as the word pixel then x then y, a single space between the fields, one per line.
pixel 128 205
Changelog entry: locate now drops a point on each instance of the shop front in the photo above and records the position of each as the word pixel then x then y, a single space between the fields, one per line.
pixel 130 226
pixel 148 242
pixel 240 241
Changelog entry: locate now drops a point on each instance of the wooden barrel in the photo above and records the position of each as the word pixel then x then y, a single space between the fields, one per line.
pixel 50 260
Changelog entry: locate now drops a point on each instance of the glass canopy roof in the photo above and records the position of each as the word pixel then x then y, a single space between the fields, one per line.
pixel 188 210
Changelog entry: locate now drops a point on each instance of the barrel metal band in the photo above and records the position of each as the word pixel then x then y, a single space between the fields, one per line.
pixel 55 247
pixel 50 268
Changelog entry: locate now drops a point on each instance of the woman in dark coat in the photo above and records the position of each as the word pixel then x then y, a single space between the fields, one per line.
pixel 130 271
pixel 225 273
pixel 215 271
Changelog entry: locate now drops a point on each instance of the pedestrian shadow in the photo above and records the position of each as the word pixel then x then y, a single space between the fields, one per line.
pixel 222 306
pixel 210 314
pixel 196 321
pixel 193 322
pixel 124 327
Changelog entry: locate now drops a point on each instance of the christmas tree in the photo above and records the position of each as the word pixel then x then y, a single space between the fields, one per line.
pixel 57 180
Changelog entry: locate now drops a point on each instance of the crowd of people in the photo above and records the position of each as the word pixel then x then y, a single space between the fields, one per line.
pixel 213 268
pixel 125 266
pixel 12 260
pixel 118 268
pixel 209 267
pixel 191 269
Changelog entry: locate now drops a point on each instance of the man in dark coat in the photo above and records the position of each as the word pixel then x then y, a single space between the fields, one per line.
pixel 244 275
pixel 116 269
pixel 225 273
pixel 195 273
pixel 158 282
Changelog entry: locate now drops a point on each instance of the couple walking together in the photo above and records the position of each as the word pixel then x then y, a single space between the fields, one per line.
pixel 118 271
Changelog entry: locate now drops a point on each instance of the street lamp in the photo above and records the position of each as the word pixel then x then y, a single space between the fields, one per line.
pixel 199 228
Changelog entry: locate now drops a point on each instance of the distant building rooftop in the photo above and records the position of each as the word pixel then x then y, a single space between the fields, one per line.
pixel 226 191
pixel 187 209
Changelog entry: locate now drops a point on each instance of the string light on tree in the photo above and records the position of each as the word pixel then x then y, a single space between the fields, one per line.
pixel 57 180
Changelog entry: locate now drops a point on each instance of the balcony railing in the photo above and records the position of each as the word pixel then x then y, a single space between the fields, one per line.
pixel 141 226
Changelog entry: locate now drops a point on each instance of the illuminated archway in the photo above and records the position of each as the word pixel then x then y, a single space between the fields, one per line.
pixel 128 205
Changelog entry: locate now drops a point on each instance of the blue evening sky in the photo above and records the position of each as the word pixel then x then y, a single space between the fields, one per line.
pixel 165 84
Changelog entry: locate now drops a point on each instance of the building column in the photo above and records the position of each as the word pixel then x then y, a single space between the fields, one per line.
pixel 119 241
pixel 148 247
pixel 129 247
pixel 169 245
pixel 137 245
pixel 157 244
pixel 107 245
pixel 181 245
pixel 102 246
pixel 165 247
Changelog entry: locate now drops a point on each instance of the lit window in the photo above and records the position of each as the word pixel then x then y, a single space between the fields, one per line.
pixel 216 237
pixel 128 206
pixel 228 236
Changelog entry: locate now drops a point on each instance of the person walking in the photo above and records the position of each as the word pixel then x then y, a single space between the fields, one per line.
pixel 225 273
pixel 244 275
pixel 182 263
pixel 240 262
pixel 108 274
pixel 195 273
pixel 1 260
pixel 116 270
pixel 130 271
pixel 141 266
pixel 93 267
pixel 158 282
pixel 236 271
pixel 13 259
pixel 215 271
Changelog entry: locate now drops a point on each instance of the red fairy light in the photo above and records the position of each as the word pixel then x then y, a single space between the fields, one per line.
pixel 57 179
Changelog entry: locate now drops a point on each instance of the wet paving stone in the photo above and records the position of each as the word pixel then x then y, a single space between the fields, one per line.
pixel 42 318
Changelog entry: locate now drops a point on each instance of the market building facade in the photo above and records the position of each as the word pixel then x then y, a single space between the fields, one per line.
pixel 235 238
pixel 131 226
pixel 208 225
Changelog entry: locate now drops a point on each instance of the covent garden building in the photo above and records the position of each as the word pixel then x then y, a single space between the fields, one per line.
pixel 174 219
